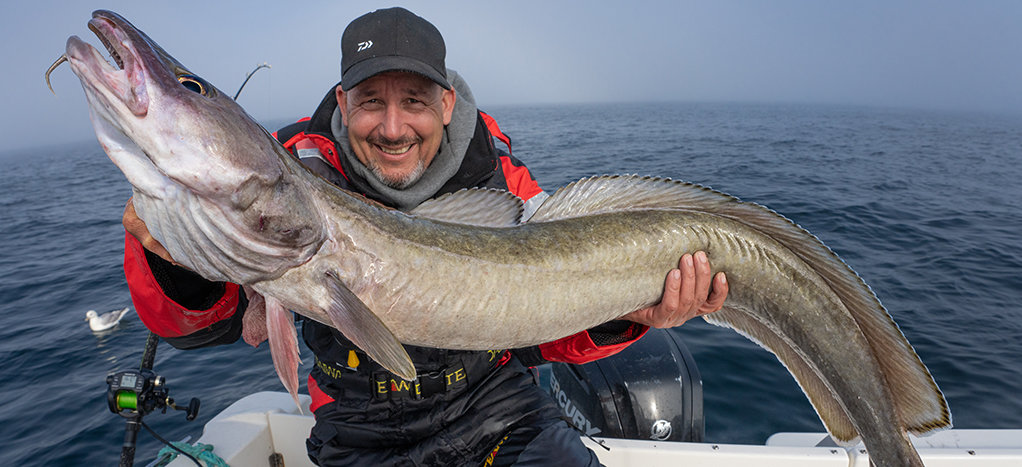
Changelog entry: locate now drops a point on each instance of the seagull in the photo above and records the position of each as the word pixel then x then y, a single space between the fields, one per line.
pixel 106 320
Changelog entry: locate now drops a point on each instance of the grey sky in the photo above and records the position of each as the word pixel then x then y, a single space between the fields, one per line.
pixel 932 54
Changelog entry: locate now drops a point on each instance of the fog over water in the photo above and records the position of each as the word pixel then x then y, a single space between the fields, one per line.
pixel 932 54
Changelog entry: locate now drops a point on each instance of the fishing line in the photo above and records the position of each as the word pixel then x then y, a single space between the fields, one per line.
pixel 168 443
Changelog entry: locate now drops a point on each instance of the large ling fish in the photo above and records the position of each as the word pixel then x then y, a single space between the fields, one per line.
pixel 229 202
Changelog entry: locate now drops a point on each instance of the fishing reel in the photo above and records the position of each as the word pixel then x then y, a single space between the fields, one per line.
pixel 133 393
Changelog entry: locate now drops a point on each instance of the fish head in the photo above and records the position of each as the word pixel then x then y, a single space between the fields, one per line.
pixel 163 125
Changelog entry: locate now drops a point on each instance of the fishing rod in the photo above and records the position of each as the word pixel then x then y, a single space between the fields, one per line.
pixel 264 65
pixel 133 394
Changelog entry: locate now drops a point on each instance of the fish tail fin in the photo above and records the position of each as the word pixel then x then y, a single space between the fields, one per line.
pixel 919 402
pixel 833 415
pixel 360 325
pixel 280 327
pixel 827 407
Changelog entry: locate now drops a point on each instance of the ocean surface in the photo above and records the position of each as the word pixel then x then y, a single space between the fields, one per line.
pixel 924 205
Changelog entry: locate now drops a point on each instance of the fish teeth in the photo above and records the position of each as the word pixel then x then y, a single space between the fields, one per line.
pixel 109 48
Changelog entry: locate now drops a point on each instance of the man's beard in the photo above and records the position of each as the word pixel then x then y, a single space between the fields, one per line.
pixel 401 182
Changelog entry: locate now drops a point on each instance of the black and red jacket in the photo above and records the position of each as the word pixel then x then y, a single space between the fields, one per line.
pixel 189 311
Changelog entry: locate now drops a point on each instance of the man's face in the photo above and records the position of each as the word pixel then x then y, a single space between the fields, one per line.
pixel 395 124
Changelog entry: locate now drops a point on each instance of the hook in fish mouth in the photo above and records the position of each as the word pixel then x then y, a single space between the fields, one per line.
pixel 106 43
pixel 61 59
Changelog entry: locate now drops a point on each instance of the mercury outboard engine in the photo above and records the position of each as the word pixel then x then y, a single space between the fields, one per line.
pixel 650 390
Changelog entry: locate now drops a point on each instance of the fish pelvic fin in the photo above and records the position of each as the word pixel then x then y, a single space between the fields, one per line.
pixel 360 325
pixel 253 323
pixel 920 404
pixel 280 327
pixel 827 407
pixel 484 207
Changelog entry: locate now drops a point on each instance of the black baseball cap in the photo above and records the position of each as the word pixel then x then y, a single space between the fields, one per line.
pixel 392 39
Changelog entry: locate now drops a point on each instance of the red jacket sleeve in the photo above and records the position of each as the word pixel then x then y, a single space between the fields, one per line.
pixel 581 347
pixel 161 314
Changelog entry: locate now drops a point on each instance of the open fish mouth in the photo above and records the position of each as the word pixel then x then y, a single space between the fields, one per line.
pixel 124 80
pixel 94 25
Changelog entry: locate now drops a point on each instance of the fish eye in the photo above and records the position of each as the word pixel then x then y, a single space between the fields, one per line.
pixel 193 83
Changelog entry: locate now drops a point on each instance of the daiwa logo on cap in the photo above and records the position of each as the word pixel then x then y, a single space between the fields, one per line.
pixel 364 45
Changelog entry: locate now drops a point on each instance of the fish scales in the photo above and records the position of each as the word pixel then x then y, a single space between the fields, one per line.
pixel 563 271
pixel 564 268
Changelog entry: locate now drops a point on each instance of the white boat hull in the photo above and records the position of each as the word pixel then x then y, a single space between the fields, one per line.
pixel 258 425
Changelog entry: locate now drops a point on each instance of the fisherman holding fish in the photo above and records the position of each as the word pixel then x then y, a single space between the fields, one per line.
pixel 456 269
pixel 400 128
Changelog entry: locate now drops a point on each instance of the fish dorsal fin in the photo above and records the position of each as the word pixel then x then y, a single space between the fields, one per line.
pixel 827 407
pixel 607 193
pixel 484 207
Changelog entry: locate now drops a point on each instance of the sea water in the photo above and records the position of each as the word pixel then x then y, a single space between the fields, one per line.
pixel 924 205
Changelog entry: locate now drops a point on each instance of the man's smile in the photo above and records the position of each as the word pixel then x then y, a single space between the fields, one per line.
pixel 395 151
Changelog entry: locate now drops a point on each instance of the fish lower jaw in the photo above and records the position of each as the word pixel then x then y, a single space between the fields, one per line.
pixel 124 83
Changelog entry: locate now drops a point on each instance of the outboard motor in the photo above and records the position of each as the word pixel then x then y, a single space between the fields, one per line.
pixel 650 390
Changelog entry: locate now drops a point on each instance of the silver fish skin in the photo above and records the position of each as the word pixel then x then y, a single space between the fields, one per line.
pixel 230 203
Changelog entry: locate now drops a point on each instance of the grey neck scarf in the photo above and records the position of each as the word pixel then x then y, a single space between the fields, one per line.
pixel 445 165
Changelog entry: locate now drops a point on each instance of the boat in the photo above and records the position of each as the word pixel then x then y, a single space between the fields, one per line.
pixel 627 411
pixel 263 424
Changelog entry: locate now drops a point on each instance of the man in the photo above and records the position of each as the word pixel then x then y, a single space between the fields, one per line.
pixel 401 128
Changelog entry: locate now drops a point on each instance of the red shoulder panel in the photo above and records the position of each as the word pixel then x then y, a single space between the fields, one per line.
pixel 325 146
pixel 491 125
pixel 519 179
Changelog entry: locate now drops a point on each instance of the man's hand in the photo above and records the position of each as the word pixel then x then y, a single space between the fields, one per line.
pixel 686 294
pixel 137 228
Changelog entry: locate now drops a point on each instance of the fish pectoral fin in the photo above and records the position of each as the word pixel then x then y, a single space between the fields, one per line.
pixel 827 407
pixel 280 327
pixel 484 207
pixel 360 325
